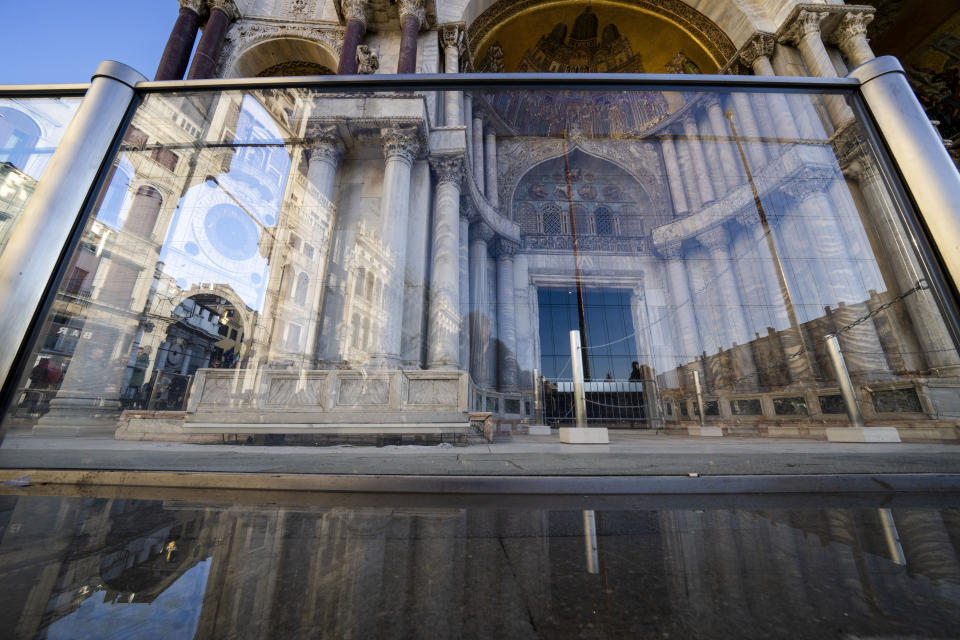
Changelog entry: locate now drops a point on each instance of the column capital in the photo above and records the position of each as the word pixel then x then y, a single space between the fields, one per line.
pixel 451 34
pixel 229 7
pixel 323 141
pixel 672 249
pixel 199 7
pixel 449 169
pixel 467 210
pixel 852 29
pixel 748 218
pixel 760 45
pixel 805 25
pixel 504 248
pixel 412 8
pixel 355 10
pixel 400 142
pixel 481 231
pixel 863 169
pixel 714 239
pixel 807 182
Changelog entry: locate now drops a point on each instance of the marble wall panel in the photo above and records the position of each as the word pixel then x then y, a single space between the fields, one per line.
pixel 432 392
pixel 364 391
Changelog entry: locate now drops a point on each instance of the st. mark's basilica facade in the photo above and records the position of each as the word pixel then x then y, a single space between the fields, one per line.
pixel 390 259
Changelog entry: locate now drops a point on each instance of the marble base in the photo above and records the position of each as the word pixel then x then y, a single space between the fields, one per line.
pixel 866 434
pixel 714 432
pixel 538 430
pixel 590 435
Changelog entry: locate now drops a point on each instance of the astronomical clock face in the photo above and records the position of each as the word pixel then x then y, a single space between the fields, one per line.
pixel 228 235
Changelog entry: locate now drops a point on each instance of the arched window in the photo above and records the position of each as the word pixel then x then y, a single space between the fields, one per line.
pixel 527 219
pixel 630 222
pixel 358 284
pixel 303 282
pixel 582 220
pixel 604 221
pixel 553 223
pixel 371 283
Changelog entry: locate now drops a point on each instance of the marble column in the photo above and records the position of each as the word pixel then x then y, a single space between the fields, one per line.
pixel 443 333
pixel 757 55
pixel 682 303
pixel 400 146
pixel 478 173
pixel 925 317
pixel 674 177
pixel 326 151
pixel 222 13
pixel 521 296
pixel 411 19
pixel 176 55
pixel 748 131
pixel 732 168
pixel 850 36
pixel 641 327
pixel 451 35
pixel 480 320
pixel 688 174
pixel 464 269
pixel 805 34
pixel 737 332
pixel 467 100
pixel 703 185
pixel 355 15
pixel 506 315
pixel 490 166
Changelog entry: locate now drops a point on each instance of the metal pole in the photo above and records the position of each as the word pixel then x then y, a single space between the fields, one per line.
pixel 34 250
pixel 917 149
pixel 892 536
pixel 537 398
pixel 843 380
pixel 579 398
pixel 590 541
pixel 699 390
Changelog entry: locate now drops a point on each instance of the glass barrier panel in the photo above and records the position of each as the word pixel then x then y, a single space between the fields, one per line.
pixel 305 267
pixel 30 130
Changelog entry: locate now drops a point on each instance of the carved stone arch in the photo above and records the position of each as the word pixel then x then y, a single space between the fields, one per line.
pixel 719 26
pixel 247 317
pixel 254 49
pixel 601 152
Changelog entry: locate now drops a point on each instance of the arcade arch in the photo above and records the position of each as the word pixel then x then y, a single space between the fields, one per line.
pixel 282 56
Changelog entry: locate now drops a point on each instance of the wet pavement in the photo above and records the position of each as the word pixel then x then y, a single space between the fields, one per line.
pixel 111 564
pixel 629 453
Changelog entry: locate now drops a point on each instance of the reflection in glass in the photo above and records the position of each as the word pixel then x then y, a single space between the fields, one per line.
pixel 288 261
pixel 30 129
pixel 117 568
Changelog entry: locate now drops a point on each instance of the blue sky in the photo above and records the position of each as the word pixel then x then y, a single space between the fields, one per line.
pixel 48 41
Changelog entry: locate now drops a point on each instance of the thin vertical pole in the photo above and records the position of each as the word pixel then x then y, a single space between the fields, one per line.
pixel 579 398
pixel 699 390
pixel 844 382
pixel 537 398
pixel 581 312
pixel 590 541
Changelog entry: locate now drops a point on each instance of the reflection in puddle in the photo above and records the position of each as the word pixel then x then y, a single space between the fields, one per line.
pixel 112 568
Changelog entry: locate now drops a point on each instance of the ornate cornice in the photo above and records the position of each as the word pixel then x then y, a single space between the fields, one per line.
pixel 355 10
pixel 704 30
pixel 806 24
pixel 503 248
pixel 760 45
pixel 199 7
pixel 449 169
pixel 807 182
pixel 229 7
pixel 323 141
pixel 482 231
pixel 400 142
pixel 451 34
pixel 671 250
pixel 852 25
pixel 412 8
pixel 830 15
pixel 714 238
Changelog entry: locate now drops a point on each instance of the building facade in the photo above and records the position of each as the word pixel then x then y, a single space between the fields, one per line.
pixel 311 259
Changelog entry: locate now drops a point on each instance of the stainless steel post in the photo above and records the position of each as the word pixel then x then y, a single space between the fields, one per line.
pixel 892 536
pixel 699 390
pixel 34 249
pixel 537 398
pixel 843 380
pixel 579 397
pixel 917 149
pixel 590 541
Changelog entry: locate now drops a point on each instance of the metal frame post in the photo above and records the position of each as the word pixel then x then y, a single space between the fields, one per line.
pixel 576 366
pixel 698 389
pixel 918 151
pixel 44 229
pixel 844 382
